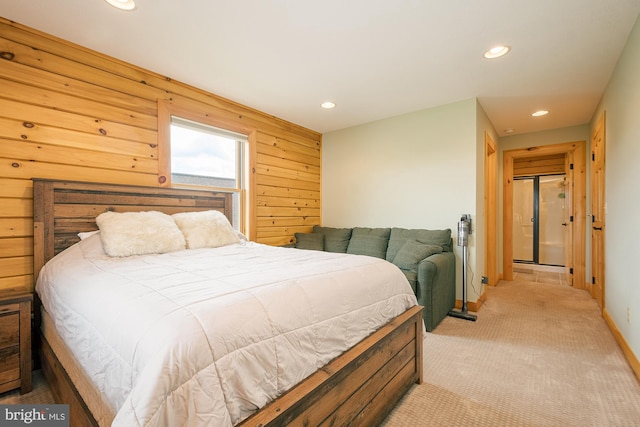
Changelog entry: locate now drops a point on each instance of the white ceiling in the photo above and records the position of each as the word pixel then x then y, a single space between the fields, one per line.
pixel 373 58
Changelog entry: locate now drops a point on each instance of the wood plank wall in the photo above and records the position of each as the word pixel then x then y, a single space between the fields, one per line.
pixel 67 112
pixel 542 165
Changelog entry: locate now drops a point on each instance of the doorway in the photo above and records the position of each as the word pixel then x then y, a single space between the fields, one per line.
pixel 534 161
pixel 538 220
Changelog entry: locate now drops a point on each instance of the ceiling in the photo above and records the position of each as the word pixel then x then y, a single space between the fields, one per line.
pixel 373 58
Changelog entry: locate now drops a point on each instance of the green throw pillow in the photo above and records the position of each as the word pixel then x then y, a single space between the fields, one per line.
pixel 399 236
pixel 313 241
pixel 369 241
pixel 335 239
pixel 412 252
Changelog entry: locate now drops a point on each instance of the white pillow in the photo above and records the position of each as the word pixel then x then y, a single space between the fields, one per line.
pixel 139 233
pixel 91 247
pixel 85 234
pixel 206 229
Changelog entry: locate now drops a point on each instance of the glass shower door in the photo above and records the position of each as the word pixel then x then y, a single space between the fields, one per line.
pixel 551 217
pixel 538 220
pixel 523 219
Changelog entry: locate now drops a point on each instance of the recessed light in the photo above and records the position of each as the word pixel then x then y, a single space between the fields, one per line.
pixel 497 52
pixel 122 4
pixel 328 105
pixel 509 130
pixel 540 113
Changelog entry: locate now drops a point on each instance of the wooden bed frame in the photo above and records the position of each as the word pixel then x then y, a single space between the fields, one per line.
pixel 360 387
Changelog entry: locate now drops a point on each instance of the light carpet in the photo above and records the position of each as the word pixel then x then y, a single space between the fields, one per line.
pixel 539 354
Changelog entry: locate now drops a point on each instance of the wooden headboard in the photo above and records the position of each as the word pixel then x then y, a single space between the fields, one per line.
pixel 62 209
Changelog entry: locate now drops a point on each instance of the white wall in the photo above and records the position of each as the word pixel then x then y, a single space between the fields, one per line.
pixel 417 170
pixel 621 101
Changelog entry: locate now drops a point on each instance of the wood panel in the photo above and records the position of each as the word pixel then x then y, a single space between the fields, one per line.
pixel 16 266
pixel 35 152
pixel 287 192
pixel 540 165
pixel 67 112
pixel 86 126
pixel 16 246
pixel 29 75
pixel 33 132
pixel 15 227
pixel 288 176
pixel 17 207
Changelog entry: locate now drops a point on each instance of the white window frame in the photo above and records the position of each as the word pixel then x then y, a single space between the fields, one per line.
pixel 239 190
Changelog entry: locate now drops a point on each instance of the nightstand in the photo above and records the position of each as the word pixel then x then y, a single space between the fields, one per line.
pixel 15 341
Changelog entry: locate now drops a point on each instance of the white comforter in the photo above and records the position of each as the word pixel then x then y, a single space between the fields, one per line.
pixel 211 335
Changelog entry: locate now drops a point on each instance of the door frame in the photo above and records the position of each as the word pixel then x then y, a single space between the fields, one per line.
pixel 597 285
pixel 576 155
pixel 490 210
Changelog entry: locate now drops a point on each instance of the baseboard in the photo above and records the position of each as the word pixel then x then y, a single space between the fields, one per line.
pixel 634 363
pixel 473 306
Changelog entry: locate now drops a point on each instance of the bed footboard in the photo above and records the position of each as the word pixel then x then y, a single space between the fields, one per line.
pixel 360 387
pixel 62 387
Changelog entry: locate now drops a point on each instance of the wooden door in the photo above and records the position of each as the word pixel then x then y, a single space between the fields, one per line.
pixel 598 141
pixel 490 208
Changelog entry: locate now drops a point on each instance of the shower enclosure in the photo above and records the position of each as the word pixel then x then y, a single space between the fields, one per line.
pixel 538 220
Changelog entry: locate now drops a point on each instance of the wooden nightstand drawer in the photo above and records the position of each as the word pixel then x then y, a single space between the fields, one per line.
pixel 15 341
pixel 9 308
pixel 10 330
pixel 9 364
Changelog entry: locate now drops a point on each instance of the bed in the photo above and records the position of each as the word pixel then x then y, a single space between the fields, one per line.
pixel 360 385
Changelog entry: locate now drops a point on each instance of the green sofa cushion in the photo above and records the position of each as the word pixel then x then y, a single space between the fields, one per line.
pixel 335 239
pixel 369 241
pixel 313 241
pixel 412 252
pixel 399 236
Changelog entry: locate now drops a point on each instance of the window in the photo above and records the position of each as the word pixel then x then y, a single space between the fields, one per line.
pixel 205 156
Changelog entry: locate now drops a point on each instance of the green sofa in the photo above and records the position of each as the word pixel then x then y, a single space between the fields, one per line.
pixel 425 257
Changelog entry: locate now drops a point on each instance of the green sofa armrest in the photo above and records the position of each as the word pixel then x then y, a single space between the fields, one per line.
pixel 436 287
